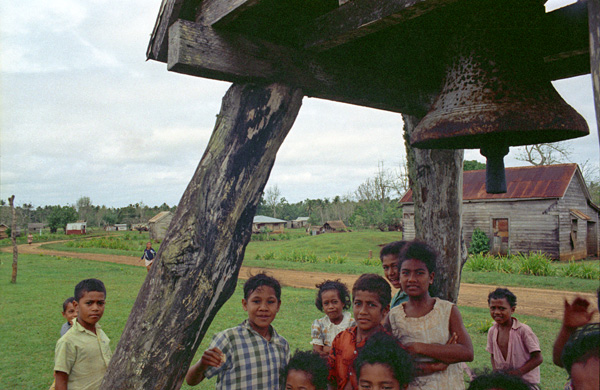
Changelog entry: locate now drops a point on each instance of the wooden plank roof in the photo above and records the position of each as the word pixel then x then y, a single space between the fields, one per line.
pixel 383 54
pixel 548 181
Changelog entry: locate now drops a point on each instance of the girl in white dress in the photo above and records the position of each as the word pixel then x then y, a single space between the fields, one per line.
pixel 333 298
pixel 430 328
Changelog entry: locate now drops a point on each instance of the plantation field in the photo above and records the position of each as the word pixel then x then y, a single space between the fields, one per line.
pixel 30 317
pixel 348 253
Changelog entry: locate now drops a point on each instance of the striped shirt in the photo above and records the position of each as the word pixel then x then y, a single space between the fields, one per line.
pixel 252 361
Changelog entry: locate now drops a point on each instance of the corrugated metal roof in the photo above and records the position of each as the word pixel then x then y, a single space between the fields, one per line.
pixel 263 219
pixel 580 214
pixel 548 181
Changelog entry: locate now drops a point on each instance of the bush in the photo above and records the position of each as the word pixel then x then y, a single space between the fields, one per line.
pixel 480 243
pixel 371 262
pixel 537 264
pixel 579 270
pixel 335 259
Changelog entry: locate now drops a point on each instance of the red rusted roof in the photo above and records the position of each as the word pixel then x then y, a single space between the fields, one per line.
pixel 548 181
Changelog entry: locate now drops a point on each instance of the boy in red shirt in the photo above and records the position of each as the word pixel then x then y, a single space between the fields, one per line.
pixel 371 295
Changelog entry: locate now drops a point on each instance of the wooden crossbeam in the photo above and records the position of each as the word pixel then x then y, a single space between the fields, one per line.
pixel 220 13
pixel 202 51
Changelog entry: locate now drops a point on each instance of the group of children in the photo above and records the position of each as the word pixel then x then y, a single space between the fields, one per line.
pixel 409 341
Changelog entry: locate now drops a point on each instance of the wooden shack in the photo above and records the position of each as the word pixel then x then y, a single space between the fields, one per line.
pixel 159 224
pixel 3 231
pixel 546 208
pixel 335 227
pixel 76 227
pixel 36 227
pixel 260 224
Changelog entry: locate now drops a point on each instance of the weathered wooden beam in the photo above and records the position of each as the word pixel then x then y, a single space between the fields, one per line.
pixel 203 51
pixel 170 11
pixel 594 26
pixel 360 18
pixel 219 13
pixel 199 260
pixel 436 181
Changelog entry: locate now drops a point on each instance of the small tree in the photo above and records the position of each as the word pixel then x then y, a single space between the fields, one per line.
pixel 480 243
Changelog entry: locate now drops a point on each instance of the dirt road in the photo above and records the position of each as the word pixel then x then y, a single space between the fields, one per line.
pixel 535 302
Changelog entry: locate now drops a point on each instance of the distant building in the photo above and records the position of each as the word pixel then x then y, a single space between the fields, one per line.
pixel 260 223
pixel 159 224
pixel 299 222
pixel 35 227
pixel 76 227
pixel 121 227
pixel 3 231
pixel 545 208
pixel 335 227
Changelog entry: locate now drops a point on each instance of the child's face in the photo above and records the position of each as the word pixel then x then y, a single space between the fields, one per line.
pixel 368 311
pixel 415 278
pixel 390 269
pixel 501 311
pixel 378 376
pixel 299 380
pixel 70 313
pixel 333 305
pixel 148 245
pixel 262 307
pixel 91 308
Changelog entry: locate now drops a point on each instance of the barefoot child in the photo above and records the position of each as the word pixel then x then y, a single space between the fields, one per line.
pixel 430 328
pixel 250 355
pixel 306 370
pixel 389 261
pixel 69 313
pixel 383 364
pixel 332 299
pixel 83 353
pixel 513 346
pixel 371 296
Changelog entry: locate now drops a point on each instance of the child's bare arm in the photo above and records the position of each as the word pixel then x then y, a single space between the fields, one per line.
pixel 461 351
pixel 493 363
pixel 322 350
pixel 575 315
pixel 211 358
pixel 60 380
pixel 535 360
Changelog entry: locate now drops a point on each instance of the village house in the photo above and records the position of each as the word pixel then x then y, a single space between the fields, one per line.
pixel 159 224
pixel 546 209
pixel 260 223
pixel 299 222
pixel 3 231
pixel 36 227
pixel 76 227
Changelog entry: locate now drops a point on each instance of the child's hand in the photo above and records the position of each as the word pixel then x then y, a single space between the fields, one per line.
pixel 576 314
pixel 213 357
pixel 453 339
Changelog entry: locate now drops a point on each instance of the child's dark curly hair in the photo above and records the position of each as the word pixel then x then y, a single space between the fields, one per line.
pixel 418 250
pixel 375 284
pixel 487 380
pixel 310 363
pixel 505 293
pixel 382 348
pixel 337 286
pixel 582 345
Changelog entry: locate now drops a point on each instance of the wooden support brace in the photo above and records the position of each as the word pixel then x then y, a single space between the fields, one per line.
pixel 199 260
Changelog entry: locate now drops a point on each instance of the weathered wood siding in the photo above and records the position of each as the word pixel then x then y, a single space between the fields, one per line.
pixel 532 224
pixel 575 199
pixel 408 222
pixel 158 229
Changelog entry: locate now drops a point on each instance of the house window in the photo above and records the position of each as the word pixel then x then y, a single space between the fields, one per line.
pixel 573 233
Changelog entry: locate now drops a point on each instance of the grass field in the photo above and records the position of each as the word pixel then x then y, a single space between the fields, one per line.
pixel 30 317
pixel 344 253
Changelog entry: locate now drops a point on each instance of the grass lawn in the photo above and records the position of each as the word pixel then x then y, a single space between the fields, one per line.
pixel 353 248
pixel 30 317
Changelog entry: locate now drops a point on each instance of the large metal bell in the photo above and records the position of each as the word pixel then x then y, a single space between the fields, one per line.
pixel 495 95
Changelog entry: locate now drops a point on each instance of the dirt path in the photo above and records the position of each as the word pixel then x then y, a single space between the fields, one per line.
pixel 531 301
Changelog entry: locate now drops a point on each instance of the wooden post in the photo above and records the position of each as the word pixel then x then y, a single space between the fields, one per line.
pixel 199 260
pixel 594 26
pixel 436 181
pixel 13 239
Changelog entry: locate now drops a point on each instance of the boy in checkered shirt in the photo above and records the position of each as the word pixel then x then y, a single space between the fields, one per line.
pixel 250 355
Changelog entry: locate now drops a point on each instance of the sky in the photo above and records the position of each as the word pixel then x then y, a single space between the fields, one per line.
pixel 82 113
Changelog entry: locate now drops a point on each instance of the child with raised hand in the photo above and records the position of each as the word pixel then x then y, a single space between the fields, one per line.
pixel 383 364
pixel 250 355
pixel 389 261
pixel 371 296
pixel 333 298
pixel 431 329
pixel 69 313
pixel 306 370
pixel 513 346
pixel 581 358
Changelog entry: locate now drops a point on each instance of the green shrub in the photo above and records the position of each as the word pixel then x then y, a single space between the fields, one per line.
pixel 537 264
pixel 299 256
pixel 579 270
pixel 480 243
pixel 335 259
pixel 371 262
pixel 480 262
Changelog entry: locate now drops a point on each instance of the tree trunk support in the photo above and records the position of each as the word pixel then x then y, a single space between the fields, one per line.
pixel 199 260
pixel 436 182
pixel 13 239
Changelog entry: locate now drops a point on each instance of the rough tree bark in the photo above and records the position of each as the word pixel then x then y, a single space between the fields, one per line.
pixel 594 26
pixel 436 182
pixel 13 239
pixel 199 260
